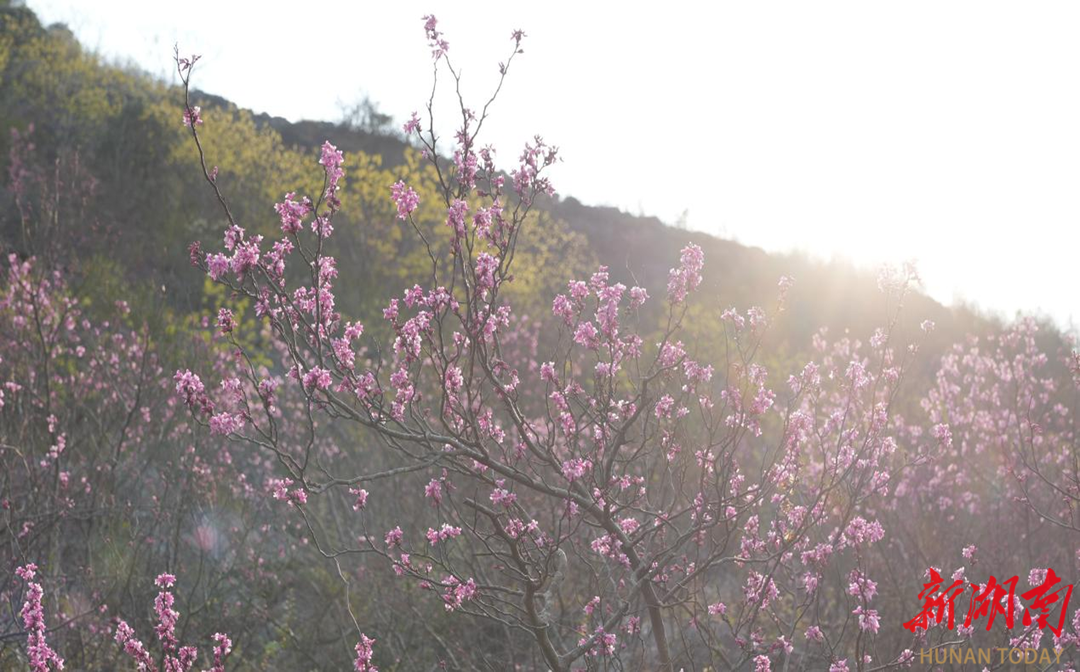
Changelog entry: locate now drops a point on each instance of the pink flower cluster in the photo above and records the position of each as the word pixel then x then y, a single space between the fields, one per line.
pixel 293 212
pixel 193 116
pixel 279 489
pixel 687 277
pixel 405 198
pixel 365 651
pixel 445 532
pixel 175 658
pixel 439 45
pixel 38 650
pixel 331 160
pixel 458 592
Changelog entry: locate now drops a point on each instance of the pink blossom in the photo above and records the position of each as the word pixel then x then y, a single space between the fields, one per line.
pixel 433 491
pixel 587 336
pixel 39 652
pixel 860 532
pixel 226 322
pixel 167 616
pixel 393 537
pixel 528 178
pixel 222 649
pixel 687 277
pixel 458 593
pixel 279 488
pixel 190 387
pixel 576 468
pixel 454 380
pixel 405 198
pixel 868 619
pixel 592 605
pixel 760 590
pixel 246 256
pixel 224 424
pixel 331 159
pixel 317 378
pixel 502 497
pixel 361 498
pixel 563 307
pixel 292 212
pixel 455 218
pixel 193 116
pixel 125 637
pixel 365 651
pixel 445 532
pixel 436 41
pixel 603 642
pixel 486 265
pixel 664 406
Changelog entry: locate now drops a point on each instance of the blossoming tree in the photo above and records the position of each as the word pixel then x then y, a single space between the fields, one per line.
pixel 615 498
pixel 597 489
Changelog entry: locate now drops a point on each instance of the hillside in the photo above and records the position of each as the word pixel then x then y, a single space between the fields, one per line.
pixel 147 202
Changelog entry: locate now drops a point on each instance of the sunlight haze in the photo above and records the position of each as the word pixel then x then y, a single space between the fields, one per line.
pixel 943 132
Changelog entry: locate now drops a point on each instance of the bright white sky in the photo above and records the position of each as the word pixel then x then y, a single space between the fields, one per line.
pixel 948 132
